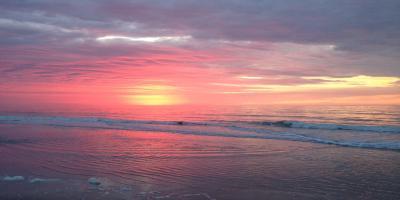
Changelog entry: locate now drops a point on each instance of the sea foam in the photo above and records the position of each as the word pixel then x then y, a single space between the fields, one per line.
pixel 363 136
pixel 298 124
pixel 13 178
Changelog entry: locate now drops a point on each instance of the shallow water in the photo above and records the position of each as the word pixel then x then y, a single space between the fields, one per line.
pixel 205 153
pixel 359 115
pixel 310 125
pixel 152 165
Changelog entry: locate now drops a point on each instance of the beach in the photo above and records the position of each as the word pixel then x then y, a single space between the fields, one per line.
pixel 56 162
pixel 199 100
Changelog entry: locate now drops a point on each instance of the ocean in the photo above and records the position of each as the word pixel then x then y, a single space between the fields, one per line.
pixel 201 152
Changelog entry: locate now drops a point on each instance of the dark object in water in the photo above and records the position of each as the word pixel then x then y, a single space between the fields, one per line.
pixel 94 181
pixel 278 123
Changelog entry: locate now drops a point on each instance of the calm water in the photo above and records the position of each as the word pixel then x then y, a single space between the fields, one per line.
pixel 359 115
pixel 355 126
pixel 248 152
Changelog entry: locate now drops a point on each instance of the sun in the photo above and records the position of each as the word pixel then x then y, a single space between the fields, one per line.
pixel 154 95
pixel 154 99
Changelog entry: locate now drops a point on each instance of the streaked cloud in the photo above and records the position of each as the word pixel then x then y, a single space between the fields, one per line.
pixel 356 81
pixel 200 48
pixel 110 38
pixel 251 77
pixel 322 84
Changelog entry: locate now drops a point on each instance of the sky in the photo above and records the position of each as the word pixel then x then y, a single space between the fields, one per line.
pixel 164 52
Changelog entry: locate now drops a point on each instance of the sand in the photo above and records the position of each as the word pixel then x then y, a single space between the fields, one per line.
pixel 77 163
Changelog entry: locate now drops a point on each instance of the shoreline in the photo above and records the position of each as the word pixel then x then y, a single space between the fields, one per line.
pixel 133 163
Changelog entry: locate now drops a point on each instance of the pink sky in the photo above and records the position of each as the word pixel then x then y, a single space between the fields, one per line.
pixel 181 52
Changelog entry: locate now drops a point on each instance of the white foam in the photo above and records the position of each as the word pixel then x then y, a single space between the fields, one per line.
pixel 297 124
pixel 282 130
pixel 126 188
pixel 41 180
pixel 13 178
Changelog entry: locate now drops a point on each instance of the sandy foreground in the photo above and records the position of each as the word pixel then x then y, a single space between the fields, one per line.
pixel 44 162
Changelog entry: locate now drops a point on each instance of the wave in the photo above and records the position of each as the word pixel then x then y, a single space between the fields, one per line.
pixel 31 180
pixel 376 137
pixel 298 124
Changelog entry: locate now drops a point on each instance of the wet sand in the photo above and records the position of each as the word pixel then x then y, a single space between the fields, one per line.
pixel 58 162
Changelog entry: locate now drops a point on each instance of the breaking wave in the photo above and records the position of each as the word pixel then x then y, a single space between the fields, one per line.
pixel 363 136
pixel 298 124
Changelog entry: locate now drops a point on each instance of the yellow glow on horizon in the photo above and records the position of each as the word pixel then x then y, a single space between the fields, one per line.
pixel 360 81
pixel 154 95
pixel 154 100
pixel 355 81
pixel 349 100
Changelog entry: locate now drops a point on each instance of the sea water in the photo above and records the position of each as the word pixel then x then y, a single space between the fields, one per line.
pixel 202 152
pixel 353 126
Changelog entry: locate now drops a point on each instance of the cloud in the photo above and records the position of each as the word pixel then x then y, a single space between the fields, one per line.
pixel 45 39
pixel 251 77
pixel 112 38
pixel 349 25
pixel 316 84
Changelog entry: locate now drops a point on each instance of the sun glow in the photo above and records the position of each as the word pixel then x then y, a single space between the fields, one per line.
pixel 154 95
pixel 154 100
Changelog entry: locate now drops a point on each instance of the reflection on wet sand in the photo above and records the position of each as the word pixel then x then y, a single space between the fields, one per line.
pixel 104 164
